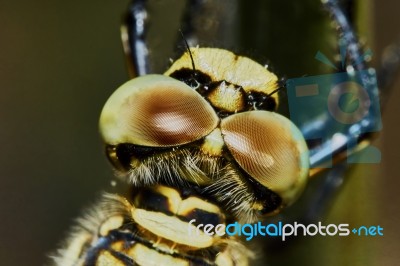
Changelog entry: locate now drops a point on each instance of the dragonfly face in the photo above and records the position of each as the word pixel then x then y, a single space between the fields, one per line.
pixel 160 130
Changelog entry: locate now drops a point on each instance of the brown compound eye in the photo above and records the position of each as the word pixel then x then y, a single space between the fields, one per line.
pixel 156 111
pixel 271 149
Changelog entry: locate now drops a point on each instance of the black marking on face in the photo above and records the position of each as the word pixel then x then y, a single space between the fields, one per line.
pixel 122 154
pixel 260 101
pixel 192 78
pixel 202 217
pixel 270 200
pixel 151 200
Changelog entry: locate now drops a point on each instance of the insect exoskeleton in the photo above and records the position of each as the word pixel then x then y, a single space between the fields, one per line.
pixel 203 141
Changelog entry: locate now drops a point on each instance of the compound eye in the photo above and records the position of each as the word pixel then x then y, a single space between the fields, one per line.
pixel 271 149
pixel 156 111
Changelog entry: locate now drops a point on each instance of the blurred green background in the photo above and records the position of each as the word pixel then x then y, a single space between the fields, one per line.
pixel 59 62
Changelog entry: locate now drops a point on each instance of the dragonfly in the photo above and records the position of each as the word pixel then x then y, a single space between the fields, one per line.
pixel 205 141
